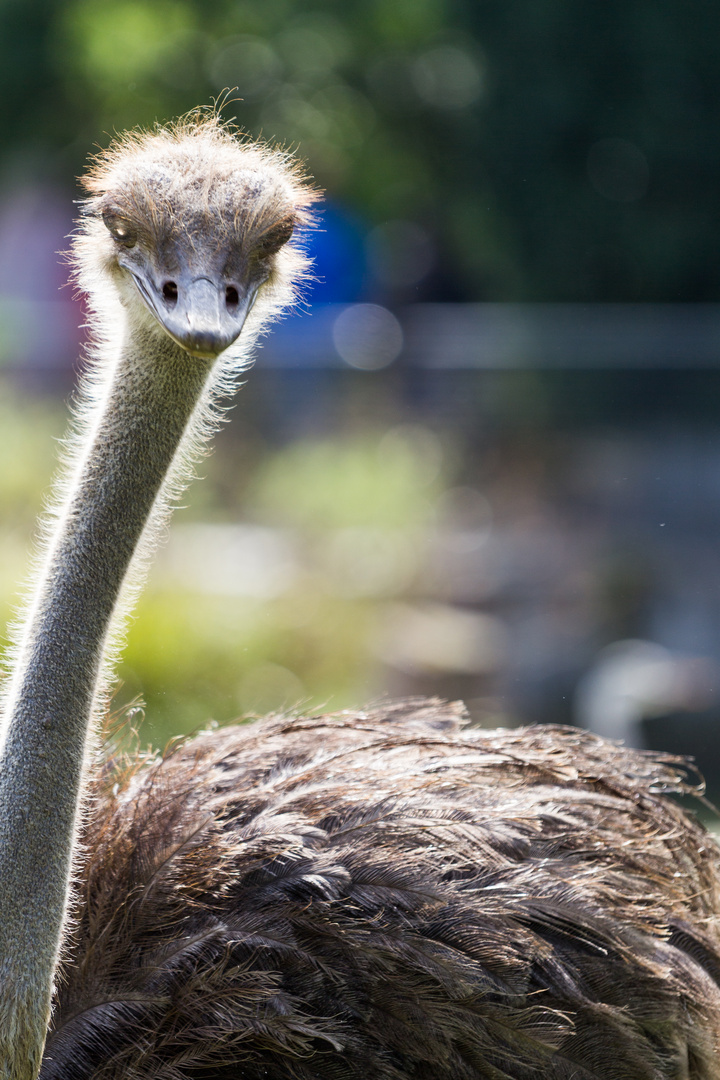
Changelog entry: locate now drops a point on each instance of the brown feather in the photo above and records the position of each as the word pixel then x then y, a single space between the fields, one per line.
pixel 391 894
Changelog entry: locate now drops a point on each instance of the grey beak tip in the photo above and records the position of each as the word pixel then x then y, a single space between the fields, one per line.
pixel 206 342
pixel 198 318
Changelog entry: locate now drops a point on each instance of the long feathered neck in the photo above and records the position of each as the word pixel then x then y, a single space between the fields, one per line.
pixel 117 490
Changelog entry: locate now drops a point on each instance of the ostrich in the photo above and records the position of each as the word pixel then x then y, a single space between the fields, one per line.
pixel 382 894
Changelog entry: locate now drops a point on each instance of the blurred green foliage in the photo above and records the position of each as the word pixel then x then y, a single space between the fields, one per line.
pixel 27 453
pixel 192 655
pixel 193 658
pixel 557 151
pixel 564 150
pixel 372 480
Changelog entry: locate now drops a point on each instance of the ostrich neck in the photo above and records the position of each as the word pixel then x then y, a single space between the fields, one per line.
pixel 58 677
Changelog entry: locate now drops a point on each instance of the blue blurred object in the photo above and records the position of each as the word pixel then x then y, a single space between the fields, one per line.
pixel 338 253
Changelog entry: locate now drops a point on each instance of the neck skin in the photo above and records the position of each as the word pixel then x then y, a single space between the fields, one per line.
pixel 58 682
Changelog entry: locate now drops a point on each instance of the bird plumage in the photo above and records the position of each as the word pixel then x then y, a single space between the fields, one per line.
pixel 392 894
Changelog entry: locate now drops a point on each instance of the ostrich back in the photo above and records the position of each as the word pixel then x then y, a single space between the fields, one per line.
pixel 390 894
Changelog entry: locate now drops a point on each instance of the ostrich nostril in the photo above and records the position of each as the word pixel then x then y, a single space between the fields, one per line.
pixel 170 293
pixel 232 297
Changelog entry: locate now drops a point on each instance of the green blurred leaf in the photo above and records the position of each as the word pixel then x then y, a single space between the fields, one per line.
pixel 125 42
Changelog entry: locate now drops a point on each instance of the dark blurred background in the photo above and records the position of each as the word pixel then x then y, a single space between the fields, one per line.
pixel 483 459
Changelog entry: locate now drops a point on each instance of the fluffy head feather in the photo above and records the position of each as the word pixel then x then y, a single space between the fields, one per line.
pixel 190 189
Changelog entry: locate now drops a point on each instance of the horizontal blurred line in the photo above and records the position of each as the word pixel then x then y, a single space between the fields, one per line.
pixel 563 335
pixel 41 335
pixel 516 336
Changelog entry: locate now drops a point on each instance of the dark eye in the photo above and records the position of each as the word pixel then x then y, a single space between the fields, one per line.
pixel 274 238
pixel 120 230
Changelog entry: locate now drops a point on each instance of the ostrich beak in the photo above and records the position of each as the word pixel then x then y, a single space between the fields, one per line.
pixel 204 316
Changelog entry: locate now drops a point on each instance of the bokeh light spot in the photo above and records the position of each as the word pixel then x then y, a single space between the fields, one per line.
pixel 618 170
pixel 447 77
pixel 269 688
pixel 367 336
pixel 247 63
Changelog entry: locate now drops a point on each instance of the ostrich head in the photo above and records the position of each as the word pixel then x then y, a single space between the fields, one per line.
pixel 191 223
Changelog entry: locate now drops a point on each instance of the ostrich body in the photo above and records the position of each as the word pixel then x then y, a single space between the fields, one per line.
pixel 382 894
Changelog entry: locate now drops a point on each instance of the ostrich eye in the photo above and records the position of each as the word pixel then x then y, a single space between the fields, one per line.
pixel 120 230
pixel 274 238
